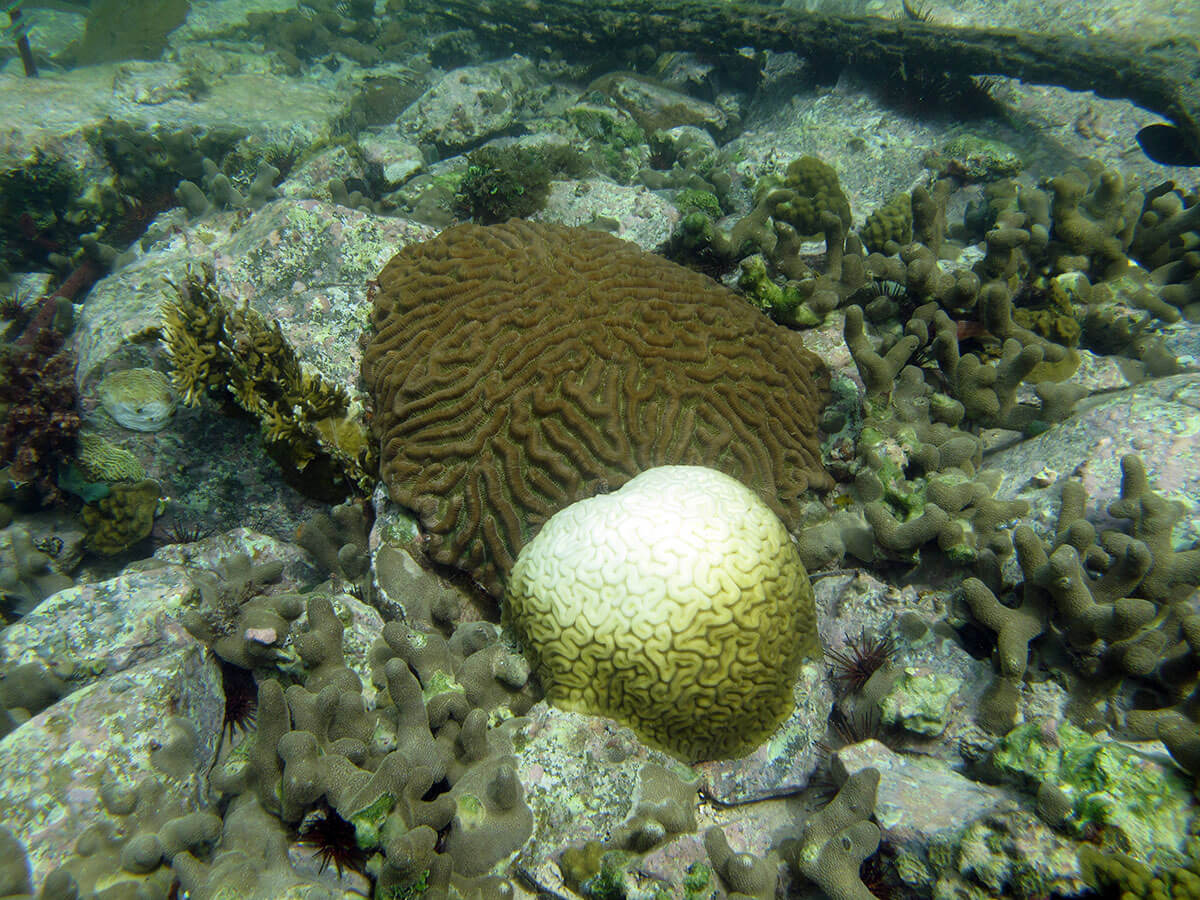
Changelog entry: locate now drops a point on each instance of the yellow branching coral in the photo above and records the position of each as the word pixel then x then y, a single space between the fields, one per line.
pixel 192 326
pixel 302 416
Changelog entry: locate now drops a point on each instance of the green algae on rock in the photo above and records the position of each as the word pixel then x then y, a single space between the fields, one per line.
pixel 1107 782
pixel 920 701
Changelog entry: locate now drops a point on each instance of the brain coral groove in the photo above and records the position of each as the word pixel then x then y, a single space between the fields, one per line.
pixel 518 368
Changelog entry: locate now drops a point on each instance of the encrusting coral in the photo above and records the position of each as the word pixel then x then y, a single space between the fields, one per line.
pixel 518 368
pixel 123 517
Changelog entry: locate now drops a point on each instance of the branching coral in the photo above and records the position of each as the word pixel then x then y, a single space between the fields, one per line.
pixel 311 427
pixel 837 839
pixel 1127 621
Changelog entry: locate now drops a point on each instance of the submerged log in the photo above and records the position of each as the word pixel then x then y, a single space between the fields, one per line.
pixel 1162 76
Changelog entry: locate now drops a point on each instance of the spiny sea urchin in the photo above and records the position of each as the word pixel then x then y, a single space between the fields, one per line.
pixel 241 699
pixel 861 658
pixel 333 839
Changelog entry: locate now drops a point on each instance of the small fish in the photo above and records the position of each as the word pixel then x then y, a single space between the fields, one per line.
pixel 1165 144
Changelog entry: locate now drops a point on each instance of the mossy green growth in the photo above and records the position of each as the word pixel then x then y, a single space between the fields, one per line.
pixel 441 683
pixel 600 121
pixel 919 701
pixel 370 821
pixel 1024 860
pixel 691 200
pixel 415 888
pixel 610 882
pixel 695 233
pixel 784 304
pixel 1108 784
pixel 697 883
pixel 970 157
pixel 503 182
pixel 885 452
pixel 1053 316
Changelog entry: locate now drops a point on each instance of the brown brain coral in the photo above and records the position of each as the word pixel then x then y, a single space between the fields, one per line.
pixel 518 368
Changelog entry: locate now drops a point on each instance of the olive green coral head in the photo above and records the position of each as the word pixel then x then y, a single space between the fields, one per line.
pixel 677 605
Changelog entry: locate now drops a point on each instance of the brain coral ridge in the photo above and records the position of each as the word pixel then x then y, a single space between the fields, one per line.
pixel 517 368
pixel 677 604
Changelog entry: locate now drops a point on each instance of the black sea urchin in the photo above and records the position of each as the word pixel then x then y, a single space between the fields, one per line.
pixel 861 658
pixel 333 840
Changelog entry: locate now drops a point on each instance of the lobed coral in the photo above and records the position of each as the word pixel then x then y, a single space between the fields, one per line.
pixel 892 222
pixel 122 517
pixel 810 188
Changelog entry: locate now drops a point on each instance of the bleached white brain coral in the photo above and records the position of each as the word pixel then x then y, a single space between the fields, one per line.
pixel 677 605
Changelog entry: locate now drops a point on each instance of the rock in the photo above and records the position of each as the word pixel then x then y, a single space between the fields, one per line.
pixel 1012 855
pixel 397 158
pixel 654 106
pixel 919 700
pixel 634 213
pixel 783 763
pixel 58 765
pixel 1157 420
pixel 919 800
pixel 948 833
pixel 305 263
pixel 90 631
pixel 238 546
pixel 54 113
pixel 582 777
pixel 468 105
